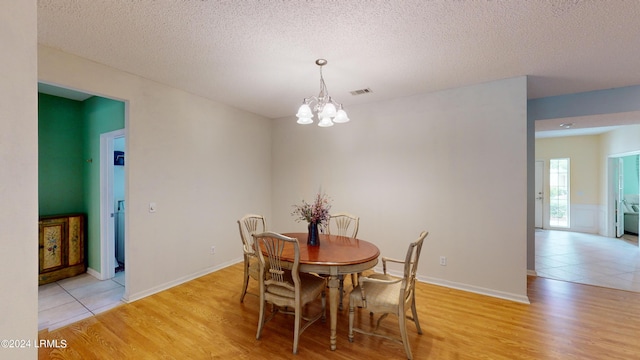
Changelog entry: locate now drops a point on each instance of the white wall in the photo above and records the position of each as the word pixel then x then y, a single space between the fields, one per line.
pixel 621 141
pixel 18 177
pixel 203 163
pixel 453 163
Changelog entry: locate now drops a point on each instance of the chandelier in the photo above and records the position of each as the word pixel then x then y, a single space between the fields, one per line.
pixel 329 111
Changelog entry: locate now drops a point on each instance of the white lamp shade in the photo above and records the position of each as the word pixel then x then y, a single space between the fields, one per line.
pixel 341 117
pixel 329 110
pixel 305 120
pixel 304 112
pixel 325 122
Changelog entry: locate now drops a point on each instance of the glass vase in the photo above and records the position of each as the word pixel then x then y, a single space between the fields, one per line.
pixel 314 237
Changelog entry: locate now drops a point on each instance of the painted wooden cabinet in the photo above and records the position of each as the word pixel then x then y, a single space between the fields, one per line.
pixel 62 247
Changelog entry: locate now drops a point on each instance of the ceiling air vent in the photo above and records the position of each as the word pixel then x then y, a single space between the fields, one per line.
pixel 361 91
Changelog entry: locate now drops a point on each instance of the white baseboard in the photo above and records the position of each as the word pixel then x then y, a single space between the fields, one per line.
pixel 128 298
pixel 94 273
pixel 465 287
pixel 477 290
pixel 532 273
pixel 429 280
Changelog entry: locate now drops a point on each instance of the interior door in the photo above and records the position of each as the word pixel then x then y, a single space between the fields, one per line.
pixel 539 194
pixel 108 262
pixel 620 198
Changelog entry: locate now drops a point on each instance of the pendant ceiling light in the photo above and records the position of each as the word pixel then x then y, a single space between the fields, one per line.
pixel 328 111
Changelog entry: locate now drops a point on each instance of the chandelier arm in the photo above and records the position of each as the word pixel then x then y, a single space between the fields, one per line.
pixel 325 107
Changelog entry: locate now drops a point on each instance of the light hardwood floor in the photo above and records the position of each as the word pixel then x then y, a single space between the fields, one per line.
pixel 203 319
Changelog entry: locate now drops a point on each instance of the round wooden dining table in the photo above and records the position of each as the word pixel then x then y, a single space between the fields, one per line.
pixel 335 256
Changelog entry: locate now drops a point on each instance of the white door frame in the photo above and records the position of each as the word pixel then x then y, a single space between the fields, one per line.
pixel 619 197
pixel 612 164
pixel 107 220
pixel 539 190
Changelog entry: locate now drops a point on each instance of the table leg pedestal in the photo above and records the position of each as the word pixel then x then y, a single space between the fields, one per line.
pixel 334 284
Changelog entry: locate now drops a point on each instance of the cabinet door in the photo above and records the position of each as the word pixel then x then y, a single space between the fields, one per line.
pixel 52 244
pixel 76 243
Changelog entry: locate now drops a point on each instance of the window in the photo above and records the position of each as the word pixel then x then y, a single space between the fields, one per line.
pixel 559 193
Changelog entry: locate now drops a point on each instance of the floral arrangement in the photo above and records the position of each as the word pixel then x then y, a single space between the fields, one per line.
pixel 317 213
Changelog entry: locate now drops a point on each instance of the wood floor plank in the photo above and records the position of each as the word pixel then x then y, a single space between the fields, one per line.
pixel 203 319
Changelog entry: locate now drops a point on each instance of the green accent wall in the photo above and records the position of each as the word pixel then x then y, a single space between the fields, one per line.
pixel 69 159
pixel 631 169
pixel 100 116
pixel 60 156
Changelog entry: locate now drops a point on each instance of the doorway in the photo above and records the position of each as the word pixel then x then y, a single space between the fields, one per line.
pixel 623 174
pixel 539 185
pixel 69 300
pixel 112 203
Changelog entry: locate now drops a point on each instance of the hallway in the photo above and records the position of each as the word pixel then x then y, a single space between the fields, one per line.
pixel 589 259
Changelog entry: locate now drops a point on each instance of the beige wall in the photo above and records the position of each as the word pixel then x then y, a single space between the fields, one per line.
pixel 203 163
pixel 18 177
pixel 451 162
pixel 583 152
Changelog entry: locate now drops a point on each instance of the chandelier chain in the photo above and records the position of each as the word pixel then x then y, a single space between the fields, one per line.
pixel 327 110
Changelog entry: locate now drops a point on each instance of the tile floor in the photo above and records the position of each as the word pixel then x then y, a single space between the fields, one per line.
pixel 589 259
pixel 73 299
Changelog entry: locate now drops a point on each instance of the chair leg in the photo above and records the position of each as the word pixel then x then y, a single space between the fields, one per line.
pixel 246 280
pixel 402 320
pixel 296 327
pixel 352 314
pixel 260 319
pixel 415 316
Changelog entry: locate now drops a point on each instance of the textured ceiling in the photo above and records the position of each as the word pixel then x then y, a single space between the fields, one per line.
pixel 259 55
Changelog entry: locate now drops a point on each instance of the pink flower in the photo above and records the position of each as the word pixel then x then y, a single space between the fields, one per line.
pixel 318 212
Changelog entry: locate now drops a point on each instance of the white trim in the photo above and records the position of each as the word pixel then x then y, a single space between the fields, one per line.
pixel 94 273
pixel 609 229
pixel 464 287
pixel 585 218
pixel 477 290
pixel 532 273
pixel 627 153
pixel 107 236
pixel 168 285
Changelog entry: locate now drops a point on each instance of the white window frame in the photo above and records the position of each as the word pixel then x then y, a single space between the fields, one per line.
pixel 557 198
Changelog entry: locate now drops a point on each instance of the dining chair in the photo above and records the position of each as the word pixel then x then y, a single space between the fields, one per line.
pixel 383 294
pixel 283 286
pixel 248 225
pixel 344 224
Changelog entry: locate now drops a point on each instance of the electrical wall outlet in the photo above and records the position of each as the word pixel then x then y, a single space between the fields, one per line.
pixel 213 250
pixel 443 260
